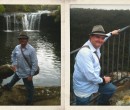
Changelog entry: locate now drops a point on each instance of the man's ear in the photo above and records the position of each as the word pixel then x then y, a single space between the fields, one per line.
pixel 90 36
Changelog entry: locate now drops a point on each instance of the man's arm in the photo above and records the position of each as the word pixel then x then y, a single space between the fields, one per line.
pixel 112 33
pixel 14 59
pixel 85 64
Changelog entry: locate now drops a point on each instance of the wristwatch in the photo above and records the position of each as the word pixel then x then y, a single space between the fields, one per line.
pixel 111 33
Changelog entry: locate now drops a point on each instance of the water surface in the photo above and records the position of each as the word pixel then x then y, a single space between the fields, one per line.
pixel 48 53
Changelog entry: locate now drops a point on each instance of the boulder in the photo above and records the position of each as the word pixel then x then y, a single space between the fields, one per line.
pixel 6 71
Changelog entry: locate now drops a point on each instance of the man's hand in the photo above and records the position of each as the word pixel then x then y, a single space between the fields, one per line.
pixel 115 32
pixel 107 79
pixel 30 78
pixel 13 68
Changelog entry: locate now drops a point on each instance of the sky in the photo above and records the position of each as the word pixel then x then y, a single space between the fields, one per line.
pixel 105 6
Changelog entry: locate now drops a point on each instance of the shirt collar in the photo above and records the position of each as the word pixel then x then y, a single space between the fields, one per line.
pixel 91 46
pixel 26 47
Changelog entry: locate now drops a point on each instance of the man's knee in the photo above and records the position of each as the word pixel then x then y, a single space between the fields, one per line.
pixel 108 88
pixel 112 88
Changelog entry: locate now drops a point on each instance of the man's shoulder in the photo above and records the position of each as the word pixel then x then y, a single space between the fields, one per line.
pixel 17 46
pixel 30 46
pixel 85 50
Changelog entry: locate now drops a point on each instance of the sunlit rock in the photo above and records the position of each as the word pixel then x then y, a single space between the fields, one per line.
pixel 124 101
pixel 40 97
pixel 6 71
pixel 118 75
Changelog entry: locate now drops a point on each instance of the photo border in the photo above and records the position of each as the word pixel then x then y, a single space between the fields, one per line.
pixel 43 2
pixel 67 54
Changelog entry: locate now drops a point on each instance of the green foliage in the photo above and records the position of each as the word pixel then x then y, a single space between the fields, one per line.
pixel 2 9
pixel 29 8
pixel 50 7
pixel 33 8
pixel 81 23
pixel 57 14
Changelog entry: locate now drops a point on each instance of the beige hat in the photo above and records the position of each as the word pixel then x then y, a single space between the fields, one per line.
pixel 23 35
pixel 98 30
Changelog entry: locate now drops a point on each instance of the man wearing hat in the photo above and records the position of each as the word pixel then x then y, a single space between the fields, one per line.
pixel 21 67
pixel 86 77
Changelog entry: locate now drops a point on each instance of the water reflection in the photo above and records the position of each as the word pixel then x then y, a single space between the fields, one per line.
pixel 48 59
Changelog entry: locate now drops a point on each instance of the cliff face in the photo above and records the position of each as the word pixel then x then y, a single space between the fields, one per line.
pixel 42 96
pixel 2 22
pixel 49 23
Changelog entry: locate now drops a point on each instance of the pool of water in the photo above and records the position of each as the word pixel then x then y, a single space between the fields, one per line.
pixel 48 53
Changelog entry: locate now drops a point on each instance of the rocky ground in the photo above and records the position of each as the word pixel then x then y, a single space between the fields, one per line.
pixel 51 95
pixel 122 95
pixel 120 98
pixel 43 96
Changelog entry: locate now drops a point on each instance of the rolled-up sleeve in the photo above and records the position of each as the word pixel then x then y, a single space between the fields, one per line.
pixel 13 57
pixel 85 62
pixel 108 36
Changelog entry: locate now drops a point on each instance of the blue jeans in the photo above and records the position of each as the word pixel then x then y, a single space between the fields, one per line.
pixel 28 84
pixel 106 91
pixel 82 101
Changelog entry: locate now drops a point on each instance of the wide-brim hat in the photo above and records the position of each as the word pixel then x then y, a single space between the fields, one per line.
pixel 98 30
pixel 23 34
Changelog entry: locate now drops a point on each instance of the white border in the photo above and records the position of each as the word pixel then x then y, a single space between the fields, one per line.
pixel 35 2
pixel 67 52
pixel 43 2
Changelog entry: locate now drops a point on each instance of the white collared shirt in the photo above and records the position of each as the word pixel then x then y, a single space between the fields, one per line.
pixel 86 76
pixel 22 68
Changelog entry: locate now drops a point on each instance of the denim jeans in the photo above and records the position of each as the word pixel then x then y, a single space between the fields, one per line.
pixel 82 101
pixel 106 91
pixel 28 84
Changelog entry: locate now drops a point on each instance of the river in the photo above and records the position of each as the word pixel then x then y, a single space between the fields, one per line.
pixel 48 53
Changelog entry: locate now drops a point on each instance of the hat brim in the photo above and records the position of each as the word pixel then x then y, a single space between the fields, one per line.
pixel 102 34
pixel 23 37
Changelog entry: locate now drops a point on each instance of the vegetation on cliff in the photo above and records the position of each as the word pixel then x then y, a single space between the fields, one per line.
pixel 81 24
pixel 27 8
pixel 31 8
pixel 82 21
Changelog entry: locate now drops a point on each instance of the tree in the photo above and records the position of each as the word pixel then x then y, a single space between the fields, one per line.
pixel 2 9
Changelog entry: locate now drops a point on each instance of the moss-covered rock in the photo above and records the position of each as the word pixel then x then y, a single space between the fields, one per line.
pixel 6 71
pixel 42 96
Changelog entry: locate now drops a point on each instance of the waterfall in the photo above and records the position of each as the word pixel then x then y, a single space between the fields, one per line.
pixel 24 21
pixel 14 22
pixel 8 23
pixel 33 21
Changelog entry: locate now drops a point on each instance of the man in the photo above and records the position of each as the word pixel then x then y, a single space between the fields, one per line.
pixel 86 77
pixel 21 67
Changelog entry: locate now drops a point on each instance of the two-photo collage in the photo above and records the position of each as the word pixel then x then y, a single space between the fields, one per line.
pixel 64 56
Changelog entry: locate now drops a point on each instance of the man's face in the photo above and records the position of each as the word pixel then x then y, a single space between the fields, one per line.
pixel 97 40
pixel 23 41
